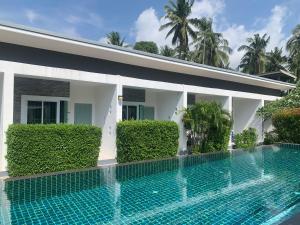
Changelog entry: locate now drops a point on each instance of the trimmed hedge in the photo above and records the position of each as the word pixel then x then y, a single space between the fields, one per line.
pixel 35 149
pixel 287 125
pixel 246 139
pixel 145 140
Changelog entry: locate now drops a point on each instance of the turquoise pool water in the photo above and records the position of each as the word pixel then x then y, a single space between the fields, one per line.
pixel 257 187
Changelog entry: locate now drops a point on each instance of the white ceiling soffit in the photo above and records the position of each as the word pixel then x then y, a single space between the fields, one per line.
pixel 44 40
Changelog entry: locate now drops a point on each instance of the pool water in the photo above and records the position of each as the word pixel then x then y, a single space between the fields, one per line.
pixel 261 186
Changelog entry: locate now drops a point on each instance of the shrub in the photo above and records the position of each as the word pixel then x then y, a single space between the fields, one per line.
pixel 34 149
pixel 246 139
pixel 287 125
pixel 208 127
pixel 292 100
pixel 270 138
pixel 145 140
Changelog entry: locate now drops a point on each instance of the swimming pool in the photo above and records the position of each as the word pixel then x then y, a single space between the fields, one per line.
pixel 246 187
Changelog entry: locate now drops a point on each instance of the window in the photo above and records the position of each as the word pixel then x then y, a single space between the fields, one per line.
pixel 43 110
pixel 133 111
pixel 83 113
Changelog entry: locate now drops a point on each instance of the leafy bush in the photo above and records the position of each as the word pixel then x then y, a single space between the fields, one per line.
pixel 246 139
pixel 145 140
pixel 270 138
pixel 208 127
pixel 34 149
pixel 292 100
pixel 287 125
pixel 146 46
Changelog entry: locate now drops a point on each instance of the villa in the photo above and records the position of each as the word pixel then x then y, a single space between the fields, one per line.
pixel 47 78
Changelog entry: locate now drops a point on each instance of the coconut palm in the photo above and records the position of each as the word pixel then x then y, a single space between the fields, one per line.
pixel 275 60
pixel 254 59
pixel 293 47
pixel 177 15
pixel 167 51
pixel 114 38
pixel 211 48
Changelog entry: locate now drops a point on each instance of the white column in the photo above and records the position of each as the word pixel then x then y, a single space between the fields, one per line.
pixel 182 134
pixel 228 107
pixel 7 109
pixel 108 114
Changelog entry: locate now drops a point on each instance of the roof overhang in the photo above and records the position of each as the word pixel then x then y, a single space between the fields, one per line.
pixel 20 35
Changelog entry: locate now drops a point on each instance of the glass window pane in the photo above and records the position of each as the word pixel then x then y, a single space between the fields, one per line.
pixel 141 112
pixel 34 112
pixel 63 114
pixel 132 112
pixel 83 113
pixel 149 113
pixel 50 110
pixel 124 112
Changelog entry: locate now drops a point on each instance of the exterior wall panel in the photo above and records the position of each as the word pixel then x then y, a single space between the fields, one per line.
pixel 22 54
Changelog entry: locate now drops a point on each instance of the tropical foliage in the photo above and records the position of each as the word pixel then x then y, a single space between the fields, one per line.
pixel 114 38
pixel 292 100
pixel 254 59
pixel 287 125
pixel 194 39
pixel 167 51
pixel 208 127
pixel 146 46
pixel 246 139
pixel 180 25
pixel 276 61
pixel 293 47
pixel 210 47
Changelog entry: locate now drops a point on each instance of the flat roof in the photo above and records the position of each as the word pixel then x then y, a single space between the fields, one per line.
pixel 36 38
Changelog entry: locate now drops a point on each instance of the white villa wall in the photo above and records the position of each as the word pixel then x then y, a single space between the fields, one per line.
pixel 244 115
pixel 102 91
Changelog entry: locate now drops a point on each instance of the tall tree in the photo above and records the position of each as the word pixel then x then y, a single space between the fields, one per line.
pixel 146 46
pixel 293 47
pixel 211 48
pixel 254 59
pixel 276 60
pixel 177 15
pixel 114 38
pixel 167 51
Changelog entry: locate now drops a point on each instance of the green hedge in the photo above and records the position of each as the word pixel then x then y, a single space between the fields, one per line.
pixel 35 149
pixel 145 140
pixel 246 139
pixel 287 125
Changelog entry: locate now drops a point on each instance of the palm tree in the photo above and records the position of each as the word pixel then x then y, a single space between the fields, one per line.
pixel 167 51
pixel 177 15
pixel 254 59
pixel 211 48
pixel 275 60
pixel 114 38
pixel 293 47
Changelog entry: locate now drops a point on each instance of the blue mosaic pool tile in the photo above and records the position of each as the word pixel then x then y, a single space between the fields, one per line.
pixel 245 187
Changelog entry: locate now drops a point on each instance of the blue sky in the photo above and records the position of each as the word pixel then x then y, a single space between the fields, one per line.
pixel 140 19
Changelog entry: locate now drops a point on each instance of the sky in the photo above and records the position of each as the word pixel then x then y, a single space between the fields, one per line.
pixel 138 20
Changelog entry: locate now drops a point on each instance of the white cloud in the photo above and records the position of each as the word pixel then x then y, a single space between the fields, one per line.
pixel 31 15
pixel 237 34
pixel 208 8
pixel 147 28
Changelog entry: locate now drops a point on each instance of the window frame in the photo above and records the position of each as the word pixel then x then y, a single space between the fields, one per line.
pixel 26 98
pixel 137 104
